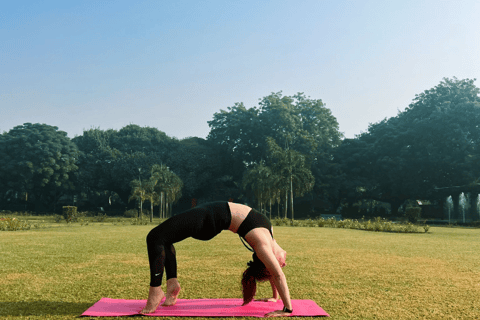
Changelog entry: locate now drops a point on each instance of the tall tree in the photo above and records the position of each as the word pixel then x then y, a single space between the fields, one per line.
pixel 168 185
pixel 39 160
pixel 151 194
pixel 295 177
pixel 139 193
pixel 110 159
pixel 304 123
pixel 429 146
pixel 199 164
pixel 259 179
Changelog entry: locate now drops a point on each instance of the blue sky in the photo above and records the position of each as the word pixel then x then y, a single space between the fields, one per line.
pixel 173 64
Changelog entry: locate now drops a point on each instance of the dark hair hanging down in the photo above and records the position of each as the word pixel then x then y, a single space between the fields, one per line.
pixel 256 271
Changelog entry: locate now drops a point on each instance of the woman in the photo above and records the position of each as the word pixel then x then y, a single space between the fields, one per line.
pixel 203 223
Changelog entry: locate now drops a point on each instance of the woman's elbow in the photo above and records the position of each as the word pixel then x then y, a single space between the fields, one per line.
pixel 278 275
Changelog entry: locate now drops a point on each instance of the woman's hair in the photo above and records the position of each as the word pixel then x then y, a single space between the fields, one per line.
pixel 256 271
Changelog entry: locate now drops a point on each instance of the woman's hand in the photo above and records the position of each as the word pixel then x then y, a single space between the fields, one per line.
pixel 267 300
pixel 278 313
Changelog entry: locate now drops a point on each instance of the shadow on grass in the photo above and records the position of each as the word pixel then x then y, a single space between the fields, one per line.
pixel 41 308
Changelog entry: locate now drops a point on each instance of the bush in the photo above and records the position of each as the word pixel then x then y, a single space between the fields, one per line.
pixel 13 224
pixel 70 214
pixel 413 214
pixel 132 213
pixel 143 220
pixel 100 217
pixel 378 224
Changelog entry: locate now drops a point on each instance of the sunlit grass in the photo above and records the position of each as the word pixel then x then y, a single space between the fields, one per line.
pixel 58 272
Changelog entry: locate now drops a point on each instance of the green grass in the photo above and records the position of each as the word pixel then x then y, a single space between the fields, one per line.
pixel 57 272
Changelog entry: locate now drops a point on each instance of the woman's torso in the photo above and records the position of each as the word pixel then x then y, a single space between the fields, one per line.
pixel 239 213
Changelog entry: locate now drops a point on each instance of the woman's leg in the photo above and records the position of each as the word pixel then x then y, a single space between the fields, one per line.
pixel 157 257
pixel 197 223
pixel 161 252
pixel 173 286
pixel 161 256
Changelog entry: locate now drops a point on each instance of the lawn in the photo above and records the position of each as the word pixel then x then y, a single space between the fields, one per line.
pixel 58 272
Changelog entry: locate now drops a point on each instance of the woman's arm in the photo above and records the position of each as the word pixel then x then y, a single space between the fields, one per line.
pixel 265 254
pixel 274 293
pixel 274 289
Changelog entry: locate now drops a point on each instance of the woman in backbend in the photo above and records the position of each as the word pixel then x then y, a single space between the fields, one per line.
pixel 203 223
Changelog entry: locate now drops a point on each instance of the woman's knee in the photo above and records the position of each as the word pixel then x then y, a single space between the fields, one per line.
pixel 153 237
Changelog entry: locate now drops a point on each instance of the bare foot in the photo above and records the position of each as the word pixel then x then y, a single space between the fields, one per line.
pixel 155 295
pixel 173 290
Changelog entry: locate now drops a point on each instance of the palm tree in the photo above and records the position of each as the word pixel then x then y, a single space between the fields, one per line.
pixel 258 179
pixel 168 187
pixel 293 175
pixel 138 193
pixel 152 195
pixel 273 191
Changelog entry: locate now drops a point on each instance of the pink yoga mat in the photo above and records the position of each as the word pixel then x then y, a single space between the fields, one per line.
pixel 107 307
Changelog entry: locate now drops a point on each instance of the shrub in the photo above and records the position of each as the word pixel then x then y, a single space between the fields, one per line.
pixel 100 217
pixel 143 220
pixel 70 213
pixel 413 214
pixel 132 213
pixel 281 222
pixel 13 224
pixel 310 223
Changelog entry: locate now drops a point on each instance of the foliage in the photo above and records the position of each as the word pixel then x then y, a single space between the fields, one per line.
pixel 70 214
pixel 413 214
pixel 287 146
pixel 138 193
pixel 263 183
pixel 422 153
pixel 201 165
pixel 13 224
pixel 132 213
pixel 305 124
pixel 378 224
pixel 100 217
pixel 165 188
pixel 38 161
pixel 293 177
pixel 139 221
pixel 111 159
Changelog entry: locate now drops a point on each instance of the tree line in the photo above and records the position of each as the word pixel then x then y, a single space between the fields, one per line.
pixel 286 148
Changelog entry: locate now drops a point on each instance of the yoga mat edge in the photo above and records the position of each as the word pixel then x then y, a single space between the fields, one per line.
pixel 107 307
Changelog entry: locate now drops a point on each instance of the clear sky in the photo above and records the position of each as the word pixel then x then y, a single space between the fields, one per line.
pixel 173 64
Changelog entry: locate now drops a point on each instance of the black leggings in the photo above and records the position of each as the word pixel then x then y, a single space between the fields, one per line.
pixel 202 223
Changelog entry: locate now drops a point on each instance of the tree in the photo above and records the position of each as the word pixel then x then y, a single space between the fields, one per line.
pixel 168 185
pixel 199 164
pixel 296 123
pixel 38 160
pixel 290 166
pixel 259 180
pixel 138 194
pixel 430 146
pixel 110 159
pixel 238 133
pixel 151 141
pixel 152 195
pixel 304 123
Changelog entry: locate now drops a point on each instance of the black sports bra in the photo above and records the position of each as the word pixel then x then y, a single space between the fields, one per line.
pixel 253 220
